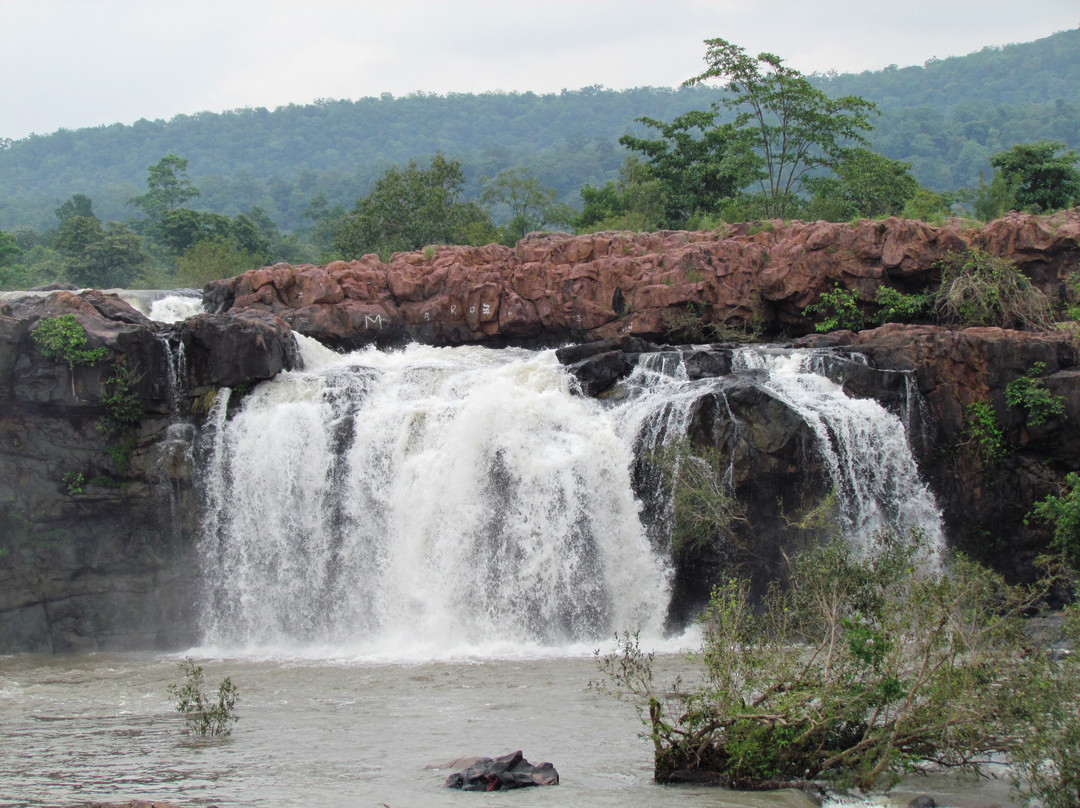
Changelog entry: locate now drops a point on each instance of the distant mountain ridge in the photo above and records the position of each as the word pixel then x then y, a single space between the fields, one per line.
pixel 946 118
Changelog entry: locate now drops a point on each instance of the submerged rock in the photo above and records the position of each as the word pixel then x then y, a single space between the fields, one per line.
pixel 508 771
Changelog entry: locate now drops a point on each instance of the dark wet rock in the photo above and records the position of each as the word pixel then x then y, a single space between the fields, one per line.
pixel 922 801
pixel 597 373
pixel 703 364
pixel 231 350
pixel 572 354
pixel 97 526
pixel 508 771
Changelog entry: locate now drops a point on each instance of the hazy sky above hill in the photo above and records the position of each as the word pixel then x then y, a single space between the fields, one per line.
pixel 76 63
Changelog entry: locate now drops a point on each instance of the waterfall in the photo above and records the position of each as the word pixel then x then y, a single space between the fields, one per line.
pixel 428 497
pixel 440 499
pixel 864 446
pixel 176 370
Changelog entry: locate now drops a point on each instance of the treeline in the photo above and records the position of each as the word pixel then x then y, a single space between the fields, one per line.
pixel 946 119
pixel 775 146
pixel 280 160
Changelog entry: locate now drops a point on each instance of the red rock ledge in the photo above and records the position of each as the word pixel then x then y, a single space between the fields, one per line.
pixel 557 287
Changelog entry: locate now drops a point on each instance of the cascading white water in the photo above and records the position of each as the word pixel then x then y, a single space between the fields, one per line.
pixel 176 370
pixel 435 498
pixel 162 305
pixel 435 501
pixel 864 446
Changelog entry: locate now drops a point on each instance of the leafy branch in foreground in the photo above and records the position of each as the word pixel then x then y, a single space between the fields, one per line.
pixel 202 714
pixel 867 667
pixel 1047 761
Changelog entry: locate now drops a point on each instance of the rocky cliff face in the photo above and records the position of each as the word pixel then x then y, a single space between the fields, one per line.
pixel 97 518
pixel 553 289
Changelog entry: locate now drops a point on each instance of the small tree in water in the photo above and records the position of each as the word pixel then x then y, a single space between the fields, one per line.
pixel 865 667
pixel 203 716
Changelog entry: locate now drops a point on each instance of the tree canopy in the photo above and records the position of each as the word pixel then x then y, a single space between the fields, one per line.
pixel 864 184
pixel 167 187
pixel 529 204
pixel 411 208
pixel 1038 178
pixel 790 126
pixel 698 163
pixel 946 119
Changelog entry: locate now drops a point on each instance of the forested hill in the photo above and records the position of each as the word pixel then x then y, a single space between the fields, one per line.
pixel 281 159
pixel 1033 72
pixel 945 118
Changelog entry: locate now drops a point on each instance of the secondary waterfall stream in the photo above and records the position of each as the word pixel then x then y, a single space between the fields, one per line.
pixel 864 446
pixel 438 501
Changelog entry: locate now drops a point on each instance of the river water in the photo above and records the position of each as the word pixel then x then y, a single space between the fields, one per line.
pixel 323 732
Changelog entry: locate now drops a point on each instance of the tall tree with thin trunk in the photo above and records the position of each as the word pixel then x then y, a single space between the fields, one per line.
pixel 790 125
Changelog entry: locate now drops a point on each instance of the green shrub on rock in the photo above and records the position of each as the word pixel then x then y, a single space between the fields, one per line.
pixel 840 309
pixel 1062 513
pixel 1030 393
pixel 978 288
pixel 869 665
pixel 63 338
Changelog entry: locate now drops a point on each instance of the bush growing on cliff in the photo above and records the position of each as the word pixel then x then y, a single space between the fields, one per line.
pixel 840 309
pixel 868 666
pixel 895 306
pixel 1062 513
pixel 63 338
pixel 978 288
pixel 704 510
pixel 983 435
pixel 1030 393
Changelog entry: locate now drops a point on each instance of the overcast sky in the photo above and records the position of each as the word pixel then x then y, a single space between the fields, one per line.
pixel 76 63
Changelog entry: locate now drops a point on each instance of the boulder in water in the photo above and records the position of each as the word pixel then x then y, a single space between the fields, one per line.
pixel 508 771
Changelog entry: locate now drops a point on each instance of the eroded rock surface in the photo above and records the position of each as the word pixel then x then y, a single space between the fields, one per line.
pixel 552 289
